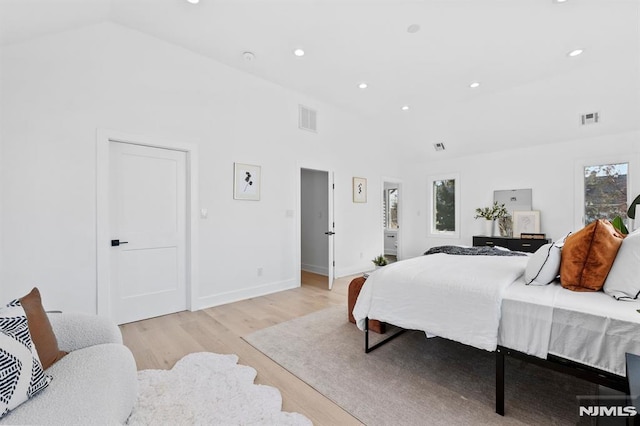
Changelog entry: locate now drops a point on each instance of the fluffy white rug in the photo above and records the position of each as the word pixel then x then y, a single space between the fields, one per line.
pixel 212 389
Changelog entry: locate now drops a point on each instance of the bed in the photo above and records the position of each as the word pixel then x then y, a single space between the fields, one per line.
pixel 485 302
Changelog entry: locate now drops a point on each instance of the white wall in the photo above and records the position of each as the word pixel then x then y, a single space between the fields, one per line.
pixel 550 170
pixel 57 90
pixel 314 219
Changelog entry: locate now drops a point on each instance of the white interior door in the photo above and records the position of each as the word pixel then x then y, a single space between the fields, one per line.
pixel 147 211
pixel 331 226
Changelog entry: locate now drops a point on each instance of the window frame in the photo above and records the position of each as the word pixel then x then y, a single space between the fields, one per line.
pixel 431 226
pixel 579 199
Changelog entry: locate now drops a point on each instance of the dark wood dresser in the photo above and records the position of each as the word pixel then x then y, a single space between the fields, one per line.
pixel 517 244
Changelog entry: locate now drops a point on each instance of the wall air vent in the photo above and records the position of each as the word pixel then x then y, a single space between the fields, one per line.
pixel 307 119
pixel 438 146
pixel 590 118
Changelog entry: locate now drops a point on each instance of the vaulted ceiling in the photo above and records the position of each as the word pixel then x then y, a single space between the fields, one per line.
pixel 419 53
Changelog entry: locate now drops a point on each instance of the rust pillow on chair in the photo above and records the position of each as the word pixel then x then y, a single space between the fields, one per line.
pixel 587 256
pixel 40 329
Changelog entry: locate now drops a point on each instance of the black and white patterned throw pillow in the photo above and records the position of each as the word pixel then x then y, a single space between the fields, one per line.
pixel 21 374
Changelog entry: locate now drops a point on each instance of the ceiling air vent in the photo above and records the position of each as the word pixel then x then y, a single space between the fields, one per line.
pixel 307 119
pixel 590 118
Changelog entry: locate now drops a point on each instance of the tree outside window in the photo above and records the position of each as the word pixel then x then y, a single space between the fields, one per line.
pixel 444 205
pixel 605 191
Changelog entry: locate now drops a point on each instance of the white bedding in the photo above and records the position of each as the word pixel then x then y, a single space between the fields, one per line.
pixel 456 297
pixel 483 301
pixel 591 328
pixel 595 329
pixel 527 317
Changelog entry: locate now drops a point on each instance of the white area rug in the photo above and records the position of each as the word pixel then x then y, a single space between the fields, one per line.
pixel 212 389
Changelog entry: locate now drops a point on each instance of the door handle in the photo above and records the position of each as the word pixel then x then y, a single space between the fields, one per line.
pixel 329 233
pixel 116 243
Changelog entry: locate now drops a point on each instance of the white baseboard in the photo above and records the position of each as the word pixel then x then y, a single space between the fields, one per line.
pixel 322 270
pixel 247 293
pixel 353 270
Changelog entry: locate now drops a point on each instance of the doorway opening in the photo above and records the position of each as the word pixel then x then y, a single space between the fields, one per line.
pixel 391 220
pixel 317 228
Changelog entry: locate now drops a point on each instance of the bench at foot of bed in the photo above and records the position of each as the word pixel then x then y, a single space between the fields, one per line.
pixel 354 290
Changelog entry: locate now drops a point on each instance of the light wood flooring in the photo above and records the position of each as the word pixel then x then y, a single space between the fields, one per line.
pixel 160 342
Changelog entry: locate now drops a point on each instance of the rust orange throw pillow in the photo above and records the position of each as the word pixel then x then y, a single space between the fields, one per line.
pixel 40 329
pixel 587 256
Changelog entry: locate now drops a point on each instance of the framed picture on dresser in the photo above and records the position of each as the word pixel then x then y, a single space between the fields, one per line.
pixel 527 222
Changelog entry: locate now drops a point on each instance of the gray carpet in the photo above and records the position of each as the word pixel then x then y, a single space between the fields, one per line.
pixel 413 380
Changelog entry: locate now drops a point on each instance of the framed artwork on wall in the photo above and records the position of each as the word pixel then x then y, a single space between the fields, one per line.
pixel 246 182
pixel 527 222
pixel 359 190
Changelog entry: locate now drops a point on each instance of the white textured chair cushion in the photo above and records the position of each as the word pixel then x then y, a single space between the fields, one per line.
pixel 623 281
pixel 76 331
pixel 94 385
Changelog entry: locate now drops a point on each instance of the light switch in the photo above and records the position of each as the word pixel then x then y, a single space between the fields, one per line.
pixel 204 213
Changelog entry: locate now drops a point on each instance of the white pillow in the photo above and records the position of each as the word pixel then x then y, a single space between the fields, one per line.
pixel 21 375
pixel 544 265
pixel 623 281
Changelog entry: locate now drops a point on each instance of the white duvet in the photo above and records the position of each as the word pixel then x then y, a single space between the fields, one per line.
pixel 452 296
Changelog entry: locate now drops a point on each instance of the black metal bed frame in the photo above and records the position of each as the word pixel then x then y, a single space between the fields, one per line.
pixel 552 362
pixel 556 363
pixel 368 348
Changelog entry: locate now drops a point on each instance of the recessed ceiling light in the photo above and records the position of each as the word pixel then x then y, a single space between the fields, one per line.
pixel 575 52
pixel 413 28
pixel 194 1
pixel 405 108
pixel 474 85
pixel 559 1
pixel 298 52
pixel 363 85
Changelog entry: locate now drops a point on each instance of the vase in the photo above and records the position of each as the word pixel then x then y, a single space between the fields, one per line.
pixel 489 226
pixel 505 225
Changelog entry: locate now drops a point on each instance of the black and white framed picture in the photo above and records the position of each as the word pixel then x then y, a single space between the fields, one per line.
pixel 246 182
pixel 526 222
pixel 359 190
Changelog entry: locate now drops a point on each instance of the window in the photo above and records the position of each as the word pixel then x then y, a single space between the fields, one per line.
pixel 605 191
pixel 391 208
pixel 445 205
